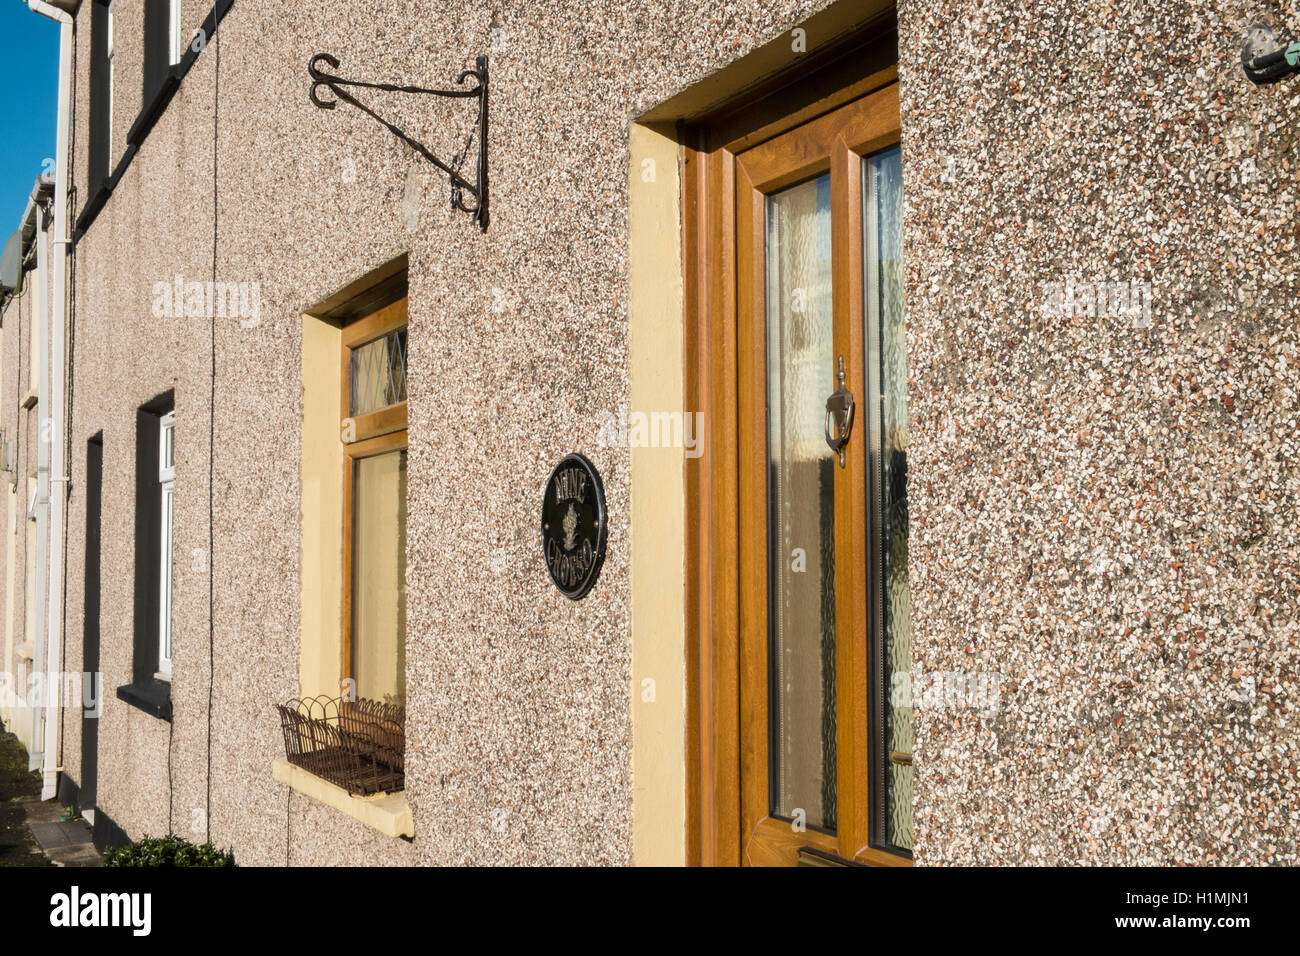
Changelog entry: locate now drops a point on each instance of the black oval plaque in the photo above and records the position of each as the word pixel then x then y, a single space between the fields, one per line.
pixel 574 526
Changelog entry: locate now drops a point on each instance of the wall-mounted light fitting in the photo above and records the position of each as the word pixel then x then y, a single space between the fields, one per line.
pixel 1264 59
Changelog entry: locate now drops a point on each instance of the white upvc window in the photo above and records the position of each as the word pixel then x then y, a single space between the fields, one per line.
pixel 110 83
pixel 166 476
pixel 174 44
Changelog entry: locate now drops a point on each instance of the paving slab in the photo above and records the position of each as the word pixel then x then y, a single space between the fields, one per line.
pixel 76 854
pixel 65 842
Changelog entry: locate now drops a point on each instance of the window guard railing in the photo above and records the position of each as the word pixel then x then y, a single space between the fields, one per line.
pixel 357 745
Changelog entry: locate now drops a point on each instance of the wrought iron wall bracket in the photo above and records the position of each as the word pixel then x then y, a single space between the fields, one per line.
pixel 477 190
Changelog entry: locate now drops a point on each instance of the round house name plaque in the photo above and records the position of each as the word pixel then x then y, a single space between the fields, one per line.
pixel 574 523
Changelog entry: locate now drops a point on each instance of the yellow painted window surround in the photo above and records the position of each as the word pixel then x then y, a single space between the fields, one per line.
pixel 353 538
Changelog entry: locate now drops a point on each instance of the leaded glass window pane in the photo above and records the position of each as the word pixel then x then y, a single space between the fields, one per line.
pixel 379 373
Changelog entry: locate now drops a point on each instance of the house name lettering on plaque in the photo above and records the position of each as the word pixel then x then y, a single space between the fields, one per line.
pixel 574 526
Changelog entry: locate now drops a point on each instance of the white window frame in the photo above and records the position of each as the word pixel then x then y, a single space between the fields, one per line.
pixel 166 480
pixel 175 46
pixel 109 57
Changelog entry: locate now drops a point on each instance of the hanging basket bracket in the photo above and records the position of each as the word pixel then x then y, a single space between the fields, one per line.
pixel 461 188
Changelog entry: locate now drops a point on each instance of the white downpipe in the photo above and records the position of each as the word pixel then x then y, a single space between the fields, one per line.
pixel 57 479
pixel 41 329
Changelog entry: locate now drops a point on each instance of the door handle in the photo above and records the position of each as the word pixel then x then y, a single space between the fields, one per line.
pixel 839 415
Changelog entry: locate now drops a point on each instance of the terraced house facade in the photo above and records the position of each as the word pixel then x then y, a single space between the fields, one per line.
pixel 675 433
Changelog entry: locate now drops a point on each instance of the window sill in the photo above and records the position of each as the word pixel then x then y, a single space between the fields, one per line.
pixel 99 194
pixel 154 106
pixel 154 697
pixel 389 813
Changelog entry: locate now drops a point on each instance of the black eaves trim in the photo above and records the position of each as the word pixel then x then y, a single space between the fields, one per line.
pixel 149 116
pixel 154 697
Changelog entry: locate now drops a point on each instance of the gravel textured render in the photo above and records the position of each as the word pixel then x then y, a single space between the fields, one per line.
pixel 1104 511
pixel 518 732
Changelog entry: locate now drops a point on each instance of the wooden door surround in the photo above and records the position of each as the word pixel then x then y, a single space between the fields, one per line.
pixel 729 168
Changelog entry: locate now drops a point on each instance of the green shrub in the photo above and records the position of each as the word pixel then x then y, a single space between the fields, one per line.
pixel 167 851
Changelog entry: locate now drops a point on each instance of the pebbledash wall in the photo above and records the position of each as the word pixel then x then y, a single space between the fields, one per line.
pixel 1105 507
pixel 1103 510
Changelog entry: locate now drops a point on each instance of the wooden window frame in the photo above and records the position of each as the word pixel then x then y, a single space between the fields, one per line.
pixel 725 166
pixel 356 334
pixel 375 433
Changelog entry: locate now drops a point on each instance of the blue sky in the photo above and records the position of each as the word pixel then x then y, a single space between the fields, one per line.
pixel 29 96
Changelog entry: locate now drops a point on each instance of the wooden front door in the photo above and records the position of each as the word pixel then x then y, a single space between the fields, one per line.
pixel 803 746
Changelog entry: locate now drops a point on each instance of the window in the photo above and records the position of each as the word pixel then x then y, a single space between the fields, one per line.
pixel 101 94
pixel 346 730
pixel 373 430
pixel 155 528
pixel 162 44
pixel 166 476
